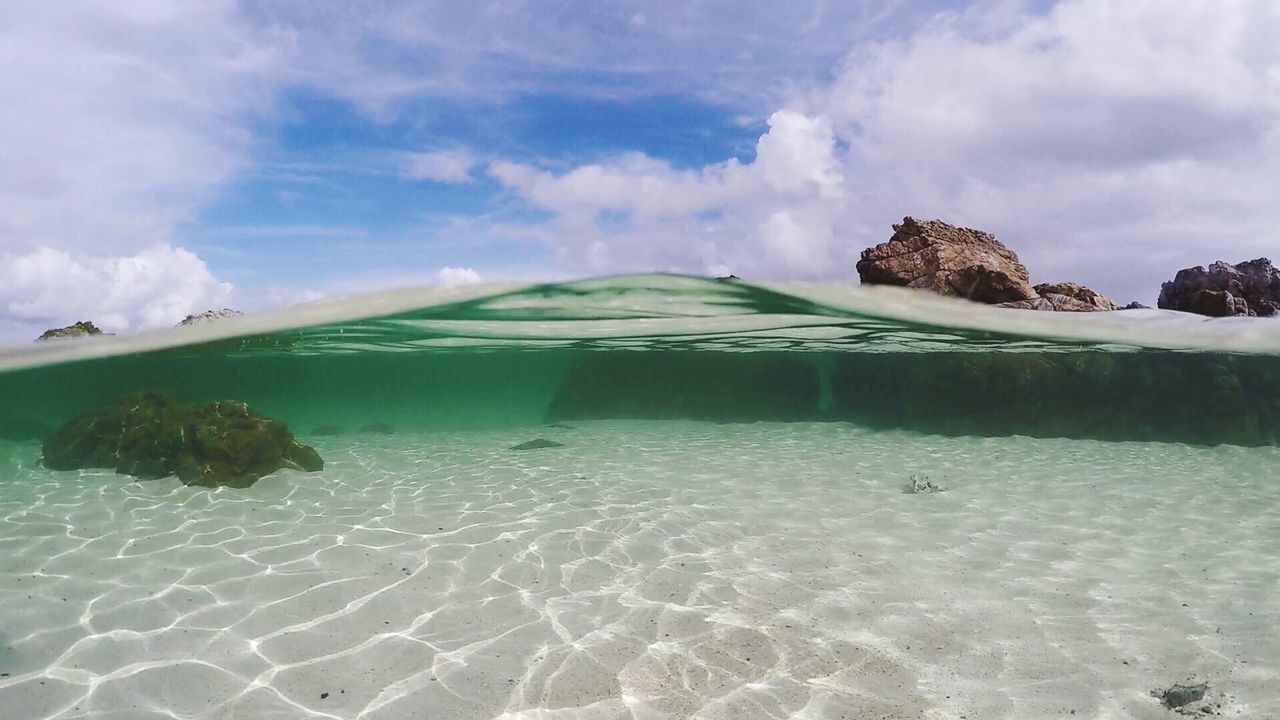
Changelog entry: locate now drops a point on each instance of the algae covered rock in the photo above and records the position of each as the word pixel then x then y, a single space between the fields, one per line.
pixel 84 328
pixel 151 435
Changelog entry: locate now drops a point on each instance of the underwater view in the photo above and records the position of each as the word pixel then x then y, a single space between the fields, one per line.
pixel 652 496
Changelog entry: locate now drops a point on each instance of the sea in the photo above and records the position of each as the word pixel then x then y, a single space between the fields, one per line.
pixel 736 500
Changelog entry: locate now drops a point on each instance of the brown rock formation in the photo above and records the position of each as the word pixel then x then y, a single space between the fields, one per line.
pixel 1076 291
pixel 948 260
pixel 1052 302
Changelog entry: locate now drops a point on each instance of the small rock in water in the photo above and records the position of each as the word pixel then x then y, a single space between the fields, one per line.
pixel 536 444
pixel 380 428
pixel 84 328
pixel 1180 695
pixel 210 316
pixel 921 484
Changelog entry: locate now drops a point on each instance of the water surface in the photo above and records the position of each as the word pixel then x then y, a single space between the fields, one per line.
pixel 722 532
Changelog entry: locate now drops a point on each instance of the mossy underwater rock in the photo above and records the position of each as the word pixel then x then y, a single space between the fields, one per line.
pixel 152 435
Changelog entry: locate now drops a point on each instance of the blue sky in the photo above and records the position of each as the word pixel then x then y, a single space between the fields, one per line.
pixel 169 156
pixel 331 200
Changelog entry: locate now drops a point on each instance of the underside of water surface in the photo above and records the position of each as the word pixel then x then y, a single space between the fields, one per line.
pixel 716 522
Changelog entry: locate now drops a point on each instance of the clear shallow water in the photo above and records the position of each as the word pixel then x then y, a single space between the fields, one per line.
pixel 723 534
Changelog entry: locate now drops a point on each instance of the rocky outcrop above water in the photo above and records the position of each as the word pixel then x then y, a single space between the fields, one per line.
pixel 1052 302
pixel 949 260
pixel 84 328
pixel 151 435
pixel 1078 292
pixel 1249 288
pixel 210 316
pixel 1063 297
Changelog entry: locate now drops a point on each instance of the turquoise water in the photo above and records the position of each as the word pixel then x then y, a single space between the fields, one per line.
pixel 720 531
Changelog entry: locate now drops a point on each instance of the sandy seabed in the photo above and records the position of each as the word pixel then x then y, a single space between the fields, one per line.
pixel 649 570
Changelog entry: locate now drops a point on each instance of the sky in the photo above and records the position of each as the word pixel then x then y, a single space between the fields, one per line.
pixel 159 158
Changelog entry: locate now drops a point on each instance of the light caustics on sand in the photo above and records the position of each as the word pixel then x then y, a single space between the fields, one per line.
pixel 645 568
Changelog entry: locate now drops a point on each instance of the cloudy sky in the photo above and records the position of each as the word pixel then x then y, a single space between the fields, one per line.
pixel 159 158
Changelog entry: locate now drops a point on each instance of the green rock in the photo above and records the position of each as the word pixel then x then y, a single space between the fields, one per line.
pixel 536 444
pixel 151 435
pixel 84 328
pixel 1181 694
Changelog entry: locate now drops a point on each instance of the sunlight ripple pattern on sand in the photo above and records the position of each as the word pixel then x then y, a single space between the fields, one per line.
pixel 649 570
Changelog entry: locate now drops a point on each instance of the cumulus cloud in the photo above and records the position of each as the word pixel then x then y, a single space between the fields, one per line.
pixel 455 276
pixel 446 166
pixel 120 121
pixel 1110 143
pixel 638 212
pixel 153 288
pixel 1107 142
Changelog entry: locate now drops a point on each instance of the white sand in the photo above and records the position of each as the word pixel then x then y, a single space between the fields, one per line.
pixel 650 570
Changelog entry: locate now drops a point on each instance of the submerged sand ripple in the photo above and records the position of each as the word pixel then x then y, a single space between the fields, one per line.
pixel 649 570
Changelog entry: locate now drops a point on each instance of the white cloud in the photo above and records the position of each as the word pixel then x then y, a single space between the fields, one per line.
pixel 381 53
pixel 455 276
pixel 773 215
pixel 120 121
pixel 155 287
pixel 796 155
pixel 1109 143
pixel 271 297
pixel 446 166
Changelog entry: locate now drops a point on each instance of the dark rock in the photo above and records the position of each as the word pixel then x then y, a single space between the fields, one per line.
pixel 1247 288
pixel 210 316
pixel 379 428
pixel 1053 303
pixel 1181 694
pixel 728 277
pixel 1204 399
pixel 1076 291
pixel 1135 305
pixel 151 435
pixel 84 328
pixel 328 430
pixel 1217 303
pixel 948 260
pixel 536 444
